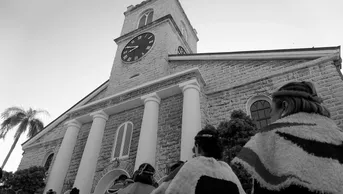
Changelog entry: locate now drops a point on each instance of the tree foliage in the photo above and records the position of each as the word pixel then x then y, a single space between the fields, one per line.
pixel 22 120
pixel 234 134
pixel 26 181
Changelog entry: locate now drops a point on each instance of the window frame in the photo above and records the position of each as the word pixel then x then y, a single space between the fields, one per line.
pixel 253 99
pixel 121 156
pixel 46 159
pixel 145 13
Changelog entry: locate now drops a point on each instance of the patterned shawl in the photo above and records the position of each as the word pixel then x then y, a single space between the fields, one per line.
pixel 301 149
pixel 201 174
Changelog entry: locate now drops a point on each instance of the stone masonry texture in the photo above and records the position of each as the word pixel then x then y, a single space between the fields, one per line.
pixel 151 66
pixel 229 85
pixel 105 158
pixel 77 155
pixel 160 8
pixel 169 133
pixel 134 94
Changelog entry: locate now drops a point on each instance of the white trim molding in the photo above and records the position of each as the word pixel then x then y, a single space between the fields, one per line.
pixel 131 103
pixel 260 55
pixel 169 77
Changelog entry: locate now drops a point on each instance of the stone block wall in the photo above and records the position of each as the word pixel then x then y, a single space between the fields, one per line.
pixel 221 75
pixel 153 65
pixel 105 158
pixel 56 133
pixel 77 155
pixel 169 133
pixel 50 142
pixel 326 77
pixel 161 8
pixel 100 95
pixel 36 155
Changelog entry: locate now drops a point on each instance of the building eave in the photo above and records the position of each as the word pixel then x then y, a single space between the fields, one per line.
pixel 302 53
pixel 195 70
pixel 64 115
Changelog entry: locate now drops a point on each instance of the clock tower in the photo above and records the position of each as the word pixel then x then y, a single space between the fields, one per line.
pixel 151 31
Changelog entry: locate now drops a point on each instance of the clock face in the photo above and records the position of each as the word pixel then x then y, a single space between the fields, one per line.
pixel 181 51
pixel 138 47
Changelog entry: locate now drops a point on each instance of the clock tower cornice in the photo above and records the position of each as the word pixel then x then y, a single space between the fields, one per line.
pixel 137 7
pixel 167 18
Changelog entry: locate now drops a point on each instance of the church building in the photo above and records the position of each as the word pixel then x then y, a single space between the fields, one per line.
pixel 160 93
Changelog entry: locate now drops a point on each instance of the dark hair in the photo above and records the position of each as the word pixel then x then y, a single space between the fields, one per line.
pixel 145 174
pixel 122 177
pixel 301 97
pixel 209 142
pixel 75 191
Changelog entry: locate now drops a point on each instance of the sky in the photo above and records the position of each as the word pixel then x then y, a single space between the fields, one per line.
pixel 55 52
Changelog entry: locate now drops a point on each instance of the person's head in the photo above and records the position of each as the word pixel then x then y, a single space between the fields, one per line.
pixel 75 191
pixel 145 174
pixel 122 178
pixel 207 143
pixel 296 97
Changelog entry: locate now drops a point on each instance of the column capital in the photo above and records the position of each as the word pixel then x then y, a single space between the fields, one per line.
pixel 190 84
pixel 73 123
pixel 99 114
pixel 151 97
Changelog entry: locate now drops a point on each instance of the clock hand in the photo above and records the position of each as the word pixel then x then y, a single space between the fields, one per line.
pixel 135 47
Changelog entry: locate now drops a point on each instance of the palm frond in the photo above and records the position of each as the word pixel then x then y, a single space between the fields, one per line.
pixel 10 123
pixel 5 127
pixel 35 126
pixel 32 113
pixel 22 127
pixel 41 111
pixel 11 110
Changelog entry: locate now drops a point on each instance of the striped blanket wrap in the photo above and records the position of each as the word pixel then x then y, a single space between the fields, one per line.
pixel 200 174
pixel 301 149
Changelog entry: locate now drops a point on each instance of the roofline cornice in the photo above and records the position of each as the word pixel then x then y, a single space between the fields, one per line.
pixel 303 53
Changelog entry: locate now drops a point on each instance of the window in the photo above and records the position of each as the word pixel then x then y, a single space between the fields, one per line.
pixel 183 30
pixel 259 107
pixel 48 162
pixel 123 140
pixel 146 18
pixel 260 113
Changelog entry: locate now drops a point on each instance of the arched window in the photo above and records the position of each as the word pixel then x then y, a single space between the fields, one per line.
pixel 260 113
pixel 259 108
pixel 184 31
pixel 146 18
pixel 48 162
pixel 123 141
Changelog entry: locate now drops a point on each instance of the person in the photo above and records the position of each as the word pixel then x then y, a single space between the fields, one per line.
pixel 173 170
pixel 301 151
pixel 50 191
pixel 75 191
pixel 205 173
pixel 118 184
pixel 143 181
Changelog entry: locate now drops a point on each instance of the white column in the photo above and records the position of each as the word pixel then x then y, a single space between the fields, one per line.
pixel 191 117
pixel 146 152
pixel 86 171
pixel 63 157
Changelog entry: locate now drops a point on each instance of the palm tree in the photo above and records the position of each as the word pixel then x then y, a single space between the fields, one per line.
pixel 25 120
